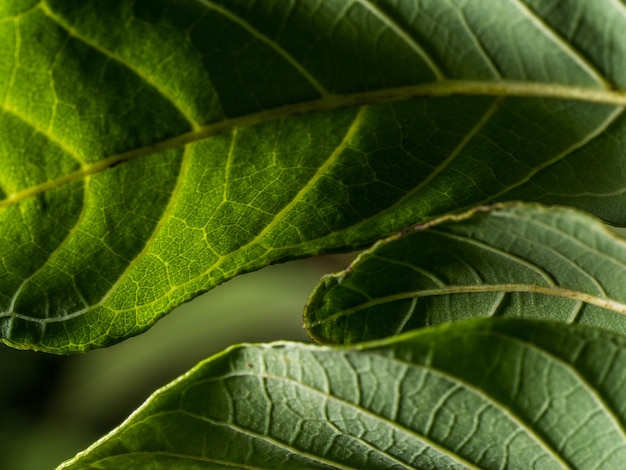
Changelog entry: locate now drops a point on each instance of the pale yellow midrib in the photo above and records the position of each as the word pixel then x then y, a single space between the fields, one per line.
pixel 332 102
pixel 550 291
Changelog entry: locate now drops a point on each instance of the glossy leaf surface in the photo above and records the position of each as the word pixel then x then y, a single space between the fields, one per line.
pixel 485 394
pixel 154 148
pixel 514 260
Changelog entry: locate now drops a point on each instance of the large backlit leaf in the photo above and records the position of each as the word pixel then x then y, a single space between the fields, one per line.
pixel 485 394
pixel 515 260
pixel 152 149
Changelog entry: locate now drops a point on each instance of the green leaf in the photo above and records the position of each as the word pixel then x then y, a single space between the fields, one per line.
pixel 515 260
pixel 487 394
pixel 152 149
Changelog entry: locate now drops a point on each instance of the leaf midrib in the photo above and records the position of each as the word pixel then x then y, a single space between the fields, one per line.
pixel 550 291
pixel 332 102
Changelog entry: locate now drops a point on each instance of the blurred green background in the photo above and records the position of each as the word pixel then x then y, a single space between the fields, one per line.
pixel 55 406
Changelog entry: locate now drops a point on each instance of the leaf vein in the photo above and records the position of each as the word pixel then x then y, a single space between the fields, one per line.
pixel 363 411
pixel 506 411
pixel 576 241
pixel 616 114
pixel 441 89
pixel 551 34
pixel 582 382
pixel 50 136
pixel 605 303
pixel 404 36
pixel 145 77
pixel 500 252
pixel 350 133
pixel 249 432
pixel 155 232
pixel 265 39
pixel 66 240
pixel 477 42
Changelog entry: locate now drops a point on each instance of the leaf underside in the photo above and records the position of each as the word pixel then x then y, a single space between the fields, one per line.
pixel 485 394
pixel 154 149
pixel 516 260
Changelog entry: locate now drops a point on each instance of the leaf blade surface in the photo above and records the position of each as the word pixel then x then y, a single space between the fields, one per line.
pixel 130 187
pixel 515 260
pixel 476 394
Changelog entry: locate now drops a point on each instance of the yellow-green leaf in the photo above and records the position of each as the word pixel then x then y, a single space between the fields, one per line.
pixel 152 149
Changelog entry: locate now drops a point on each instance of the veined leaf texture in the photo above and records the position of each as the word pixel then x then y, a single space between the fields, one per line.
pixel 486 394
pixel 513 260
pixel 154 149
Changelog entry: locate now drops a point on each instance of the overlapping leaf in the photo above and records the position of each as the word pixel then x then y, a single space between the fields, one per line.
pixel 487 394
pixel 152 149
pixel 515 260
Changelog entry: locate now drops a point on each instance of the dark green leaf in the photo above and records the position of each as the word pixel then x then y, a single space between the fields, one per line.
pixel 512 260
pixel 487 394
pixel 152 149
